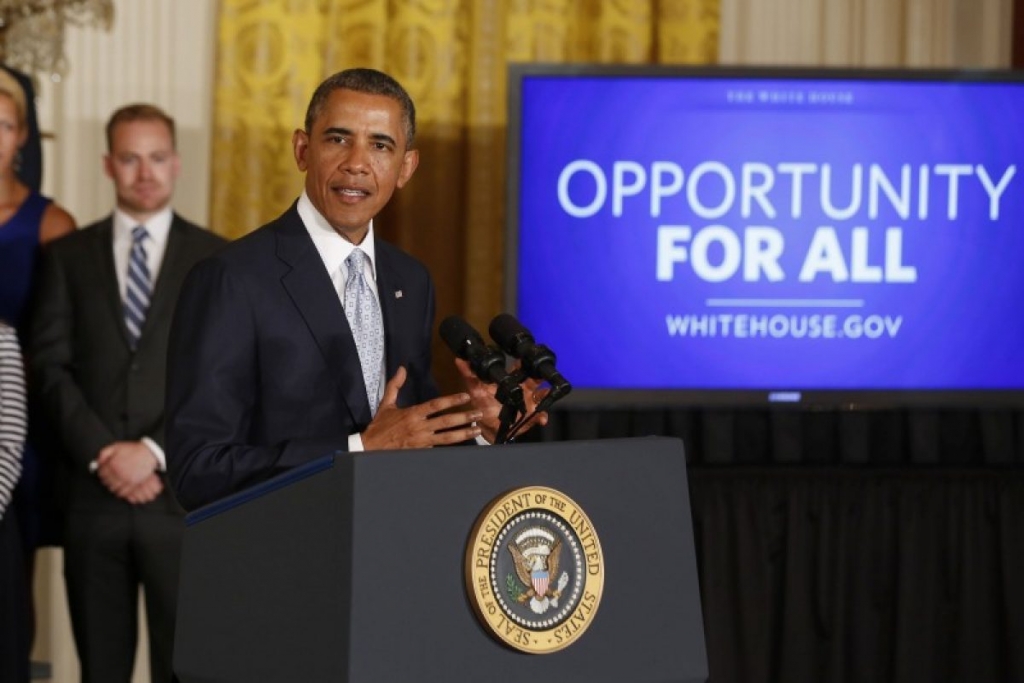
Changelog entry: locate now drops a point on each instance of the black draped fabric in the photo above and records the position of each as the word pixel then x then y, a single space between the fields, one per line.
pixel 844 575
pixel 850 546
pixel 814 437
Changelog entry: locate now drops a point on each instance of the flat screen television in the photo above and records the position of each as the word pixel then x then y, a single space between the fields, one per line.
pixel 744 236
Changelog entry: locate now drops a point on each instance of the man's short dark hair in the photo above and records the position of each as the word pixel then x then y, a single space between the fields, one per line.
pixel 368 81
pixel 138 112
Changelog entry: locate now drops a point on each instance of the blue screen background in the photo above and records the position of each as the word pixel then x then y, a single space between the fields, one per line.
pixel 587 287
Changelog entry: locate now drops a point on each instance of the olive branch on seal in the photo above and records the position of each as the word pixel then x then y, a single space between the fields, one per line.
pixel 513 587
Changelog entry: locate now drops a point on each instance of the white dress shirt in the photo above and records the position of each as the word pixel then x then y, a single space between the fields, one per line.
pixel 333 250
pixel 158 227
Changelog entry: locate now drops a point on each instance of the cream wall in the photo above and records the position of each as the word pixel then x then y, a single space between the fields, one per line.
pixel 158 51
pixel 871 33
pixel 162 51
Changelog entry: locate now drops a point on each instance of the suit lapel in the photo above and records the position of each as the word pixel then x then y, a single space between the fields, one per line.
pixel 172 272
pixel 103 254
pixel 389 292
pixel 313 294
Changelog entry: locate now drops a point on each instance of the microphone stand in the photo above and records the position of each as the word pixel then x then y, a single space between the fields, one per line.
pixel 554 394
pixel 510 395
pixel 507 416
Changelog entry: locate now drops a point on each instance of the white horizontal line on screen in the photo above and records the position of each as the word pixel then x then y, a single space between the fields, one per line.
pixel 785 303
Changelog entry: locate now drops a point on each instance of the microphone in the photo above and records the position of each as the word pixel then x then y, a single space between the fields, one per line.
pixel 486 362
pixel 538 361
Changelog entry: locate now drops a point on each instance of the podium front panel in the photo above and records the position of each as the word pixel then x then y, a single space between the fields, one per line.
pixel 391 534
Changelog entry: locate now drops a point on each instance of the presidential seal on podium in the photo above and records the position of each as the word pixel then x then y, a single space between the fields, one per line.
pixel 535 570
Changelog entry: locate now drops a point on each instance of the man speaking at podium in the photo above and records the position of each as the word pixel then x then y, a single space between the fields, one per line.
pixel 311 335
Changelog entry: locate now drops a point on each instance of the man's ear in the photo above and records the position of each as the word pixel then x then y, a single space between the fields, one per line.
pixel 300 145
pixel 409 163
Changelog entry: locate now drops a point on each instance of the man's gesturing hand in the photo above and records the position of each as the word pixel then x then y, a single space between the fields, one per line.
pixel 420 426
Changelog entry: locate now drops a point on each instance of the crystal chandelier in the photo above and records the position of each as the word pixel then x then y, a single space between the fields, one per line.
pixel 32 31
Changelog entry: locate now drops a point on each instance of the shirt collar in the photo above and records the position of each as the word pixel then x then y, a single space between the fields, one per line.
pixel 158 226
pixel 332 247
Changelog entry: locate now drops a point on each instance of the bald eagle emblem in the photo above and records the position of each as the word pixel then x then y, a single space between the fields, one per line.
pixel 536 553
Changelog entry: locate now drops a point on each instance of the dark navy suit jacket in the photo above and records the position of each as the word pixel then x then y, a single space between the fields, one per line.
pixel 263 373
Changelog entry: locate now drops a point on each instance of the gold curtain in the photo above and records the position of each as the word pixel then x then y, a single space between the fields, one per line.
pixel 452 56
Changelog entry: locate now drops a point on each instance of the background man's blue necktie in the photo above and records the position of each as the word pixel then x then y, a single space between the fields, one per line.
pixel 138 287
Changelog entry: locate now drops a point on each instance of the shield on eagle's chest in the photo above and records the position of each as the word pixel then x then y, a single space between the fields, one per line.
pixel 540 583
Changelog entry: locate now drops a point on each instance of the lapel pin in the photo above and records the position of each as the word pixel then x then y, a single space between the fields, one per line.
pixel 398 294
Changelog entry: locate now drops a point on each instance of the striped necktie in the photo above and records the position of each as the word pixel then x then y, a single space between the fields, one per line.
pixel 138 287
pixel 367 325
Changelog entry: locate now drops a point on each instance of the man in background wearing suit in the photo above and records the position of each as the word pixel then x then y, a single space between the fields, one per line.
pixel 311 335
pixel 99 348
